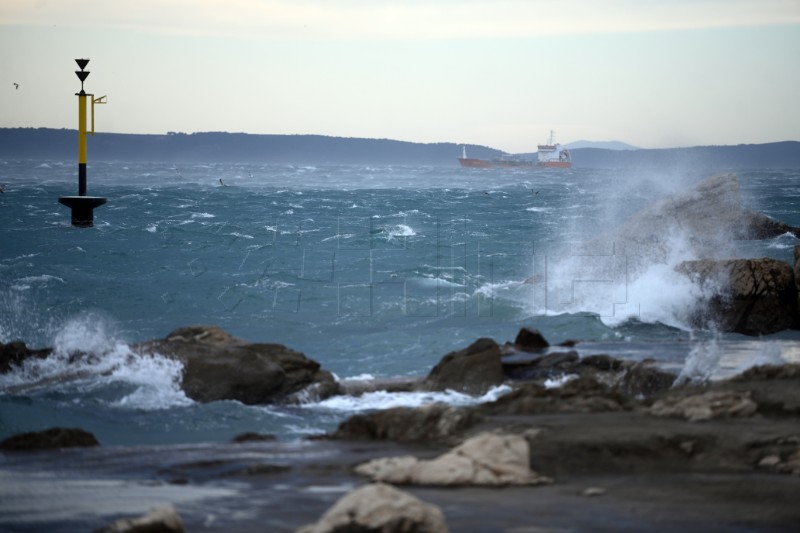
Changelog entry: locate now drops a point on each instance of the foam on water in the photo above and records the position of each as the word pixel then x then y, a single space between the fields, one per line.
pixel 385 400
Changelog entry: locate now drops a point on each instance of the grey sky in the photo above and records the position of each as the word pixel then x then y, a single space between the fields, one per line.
pixel 500 73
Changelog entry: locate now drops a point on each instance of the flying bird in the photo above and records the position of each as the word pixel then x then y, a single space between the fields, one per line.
pixel 16 85
pixel 2 189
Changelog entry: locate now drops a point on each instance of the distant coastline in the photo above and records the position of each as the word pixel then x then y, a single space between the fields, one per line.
pixel 223 147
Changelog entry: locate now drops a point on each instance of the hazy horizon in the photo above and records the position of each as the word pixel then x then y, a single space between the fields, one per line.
pixel 499 74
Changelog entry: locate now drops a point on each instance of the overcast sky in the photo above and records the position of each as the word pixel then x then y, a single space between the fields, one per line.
pixel 499 73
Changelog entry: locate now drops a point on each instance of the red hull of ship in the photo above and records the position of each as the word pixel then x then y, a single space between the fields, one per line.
pixel 557 164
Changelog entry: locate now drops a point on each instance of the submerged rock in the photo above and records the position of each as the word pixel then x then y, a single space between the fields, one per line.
pixel 379 508
pixel 218 366
pixel 749 296
pixel 50 439
pixel 487 459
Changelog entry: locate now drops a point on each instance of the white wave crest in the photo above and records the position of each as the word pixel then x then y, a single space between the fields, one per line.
pixel 386 400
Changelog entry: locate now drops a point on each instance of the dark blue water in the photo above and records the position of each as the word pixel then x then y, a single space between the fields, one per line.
pixel 372 271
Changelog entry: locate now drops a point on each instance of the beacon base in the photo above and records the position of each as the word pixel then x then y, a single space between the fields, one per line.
pixel 82 208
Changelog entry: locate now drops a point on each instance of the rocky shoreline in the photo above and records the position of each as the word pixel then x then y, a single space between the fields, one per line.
pixel 609 426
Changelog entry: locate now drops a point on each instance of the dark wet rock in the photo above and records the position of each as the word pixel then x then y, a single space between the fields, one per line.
pixel 218 366
pixel 530 340
pixel 49 439
pixel 547 366
pixel 473 370
pixel 749 296
pixel 15 353
pixel 580 395
pixel 160 520
pixel 430 423
pixel 602 362
pixel 379 508
pixel 252 437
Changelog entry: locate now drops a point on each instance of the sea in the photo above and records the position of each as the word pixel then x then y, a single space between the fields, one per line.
pixel 375 272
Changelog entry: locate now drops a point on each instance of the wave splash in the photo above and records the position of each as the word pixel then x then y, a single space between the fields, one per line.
pixel 89 363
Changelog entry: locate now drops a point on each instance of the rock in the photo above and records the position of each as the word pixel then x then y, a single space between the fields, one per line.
pixel 645 379
pixel 218 366
pixel 379 508
pixel 16 352
pixel 487 459
pixel 530 340
pixel 160 520
pixel 706 406
pixel 749 296
pixel 547 366
pixel 50 439
pixel 474 370
pixel 429 423
pixel 705 218
pixel 581 395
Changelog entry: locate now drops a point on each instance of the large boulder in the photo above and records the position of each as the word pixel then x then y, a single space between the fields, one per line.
pixel 218 366
pixel 749 296
pixel 50 439
pixel 473 370
pixel 487 459
pixel 701 222
pixel 379 508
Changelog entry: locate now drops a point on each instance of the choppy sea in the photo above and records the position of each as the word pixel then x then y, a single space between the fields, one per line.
pixel 373 271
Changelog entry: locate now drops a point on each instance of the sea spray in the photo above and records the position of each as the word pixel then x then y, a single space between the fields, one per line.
pixel 89 361
pixel 702 362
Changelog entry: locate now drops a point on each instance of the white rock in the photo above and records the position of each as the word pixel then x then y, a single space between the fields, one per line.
pixel 380 507
pixel 487 459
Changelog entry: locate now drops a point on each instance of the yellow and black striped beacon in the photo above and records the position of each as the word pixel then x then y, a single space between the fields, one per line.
pixel 82 206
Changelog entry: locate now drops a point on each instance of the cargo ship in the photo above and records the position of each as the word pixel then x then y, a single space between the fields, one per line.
pixel 550 155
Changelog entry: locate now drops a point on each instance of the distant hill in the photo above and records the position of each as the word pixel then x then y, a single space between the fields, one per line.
pixel 211 147
pixel 604 145
pixel 770 155
pixel 45 143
